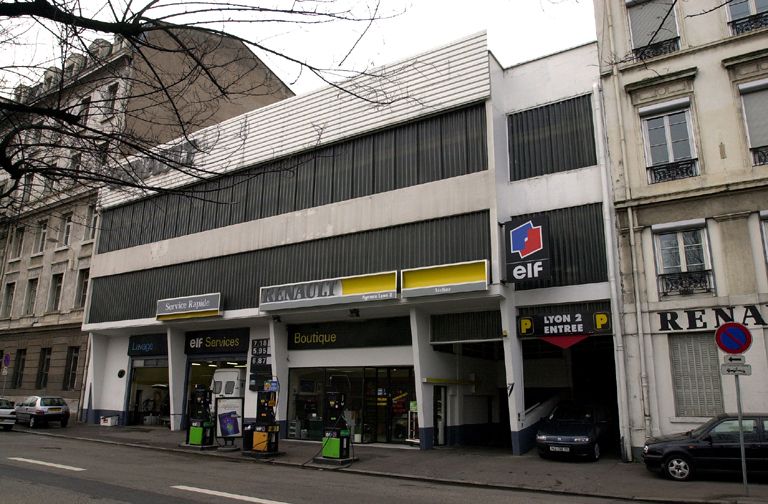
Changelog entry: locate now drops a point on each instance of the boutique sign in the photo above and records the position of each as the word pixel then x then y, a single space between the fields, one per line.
pixel 203 305
pixel 375 287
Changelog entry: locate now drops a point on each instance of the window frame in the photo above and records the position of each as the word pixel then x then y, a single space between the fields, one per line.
pixel 752 11
pixel 701 344
pixel 54 293
pixel 111 91
pixel 746 88
pixel 17 242
pixel 31 300
pixel 681 249
pixel 70 370
pixel 9 294
pixel 65 233
pixel 91 220
pixel 43 367
pixel 83 282
pixel 41 237
pixel 629 4
pixel 645 118
pixel 17 377
pixel 662 276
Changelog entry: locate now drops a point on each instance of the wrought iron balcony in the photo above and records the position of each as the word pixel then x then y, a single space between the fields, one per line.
pixel 657 49
pixel 749 24
pixel 673 171
pixel 760 155
pixel 690 282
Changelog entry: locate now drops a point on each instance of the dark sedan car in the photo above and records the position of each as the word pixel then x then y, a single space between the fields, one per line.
pixel 572 430
pixel 714 446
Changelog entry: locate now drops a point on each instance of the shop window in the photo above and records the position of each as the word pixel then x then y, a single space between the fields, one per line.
pixel 754 98
pixel 747 15
pixel 653 27
pixel 70 370
pixel 8 293
pixel 43 365
pixel 670 152
pixel 682 260
pixel 31 296
pixel 18 368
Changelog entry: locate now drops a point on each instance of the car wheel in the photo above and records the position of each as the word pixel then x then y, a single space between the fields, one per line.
pixel 596 452
pixel 678 468
pixel 7 427
pixel 32 423
pixel 64 423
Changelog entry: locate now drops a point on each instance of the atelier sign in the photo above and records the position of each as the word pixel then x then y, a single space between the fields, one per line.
pixel 203 305
pixel 375 287
pixel 527 249
pixel 445 279
pixel 709 318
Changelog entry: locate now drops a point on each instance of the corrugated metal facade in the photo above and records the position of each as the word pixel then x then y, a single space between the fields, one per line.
pixel 239 277
pixel 445 78
pixel 448 145
pixel 552 138
pixel 456 327
pixel 577 244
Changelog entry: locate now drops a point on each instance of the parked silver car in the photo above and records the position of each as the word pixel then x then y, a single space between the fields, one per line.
pixel 39 410
pixel 7 414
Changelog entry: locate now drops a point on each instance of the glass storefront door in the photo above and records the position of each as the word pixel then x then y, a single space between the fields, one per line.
pixel 377 401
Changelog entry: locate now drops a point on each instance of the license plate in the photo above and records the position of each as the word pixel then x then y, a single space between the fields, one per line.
pixel 559 448
pixel 54 410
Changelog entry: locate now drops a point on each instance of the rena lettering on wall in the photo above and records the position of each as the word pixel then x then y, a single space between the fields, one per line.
pixel 710 318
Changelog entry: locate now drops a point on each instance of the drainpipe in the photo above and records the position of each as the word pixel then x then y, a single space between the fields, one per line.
pixel 630 215
pixel 603 163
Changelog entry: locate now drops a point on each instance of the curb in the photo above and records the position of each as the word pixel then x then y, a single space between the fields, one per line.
pixel 407 477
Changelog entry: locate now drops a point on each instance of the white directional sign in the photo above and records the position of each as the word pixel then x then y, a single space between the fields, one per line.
pixel 736 369
pixel 734 359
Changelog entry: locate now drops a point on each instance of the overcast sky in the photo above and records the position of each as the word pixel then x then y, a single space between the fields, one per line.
pixel 518 30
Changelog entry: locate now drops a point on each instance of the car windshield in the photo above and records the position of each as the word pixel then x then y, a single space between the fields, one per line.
pixel 569 412
pixel 700 430
pixel 4 403
pixel 52 401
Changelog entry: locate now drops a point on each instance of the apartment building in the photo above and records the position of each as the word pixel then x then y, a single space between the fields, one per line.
pixel 685 87
pixel 51 222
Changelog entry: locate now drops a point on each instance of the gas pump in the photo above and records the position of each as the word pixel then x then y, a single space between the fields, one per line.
pixel 261 437
pixel 200 431
pixel 336 434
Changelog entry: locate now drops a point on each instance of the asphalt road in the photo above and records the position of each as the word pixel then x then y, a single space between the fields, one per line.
pixel 38 469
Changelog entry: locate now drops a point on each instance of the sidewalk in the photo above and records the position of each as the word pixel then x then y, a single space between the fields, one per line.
pixel 471 466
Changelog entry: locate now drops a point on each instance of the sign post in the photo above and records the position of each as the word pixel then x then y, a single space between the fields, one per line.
pixel 733 338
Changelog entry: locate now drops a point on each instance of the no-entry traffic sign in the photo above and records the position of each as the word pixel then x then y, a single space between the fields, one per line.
pixel 733 338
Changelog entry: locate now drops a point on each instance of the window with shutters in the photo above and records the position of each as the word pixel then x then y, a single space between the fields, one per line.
pixel 754 97
pixel 670 152
pixel 695 375
pixel 747 15
pixel 653 27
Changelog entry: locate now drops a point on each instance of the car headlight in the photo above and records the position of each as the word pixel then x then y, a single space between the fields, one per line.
pixel 645 449
pixel 541 437
pixel 581 439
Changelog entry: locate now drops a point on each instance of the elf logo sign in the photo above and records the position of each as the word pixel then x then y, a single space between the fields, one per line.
pixel 527 249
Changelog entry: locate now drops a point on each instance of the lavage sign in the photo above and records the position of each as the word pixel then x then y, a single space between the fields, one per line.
pixel 701 319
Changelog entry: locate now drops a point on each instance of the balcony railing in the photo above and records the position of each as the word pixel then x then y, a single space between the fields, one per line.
pixel 760 155
pixel 673 171
pixel 657 49
pixel 749 24
pixel 690 282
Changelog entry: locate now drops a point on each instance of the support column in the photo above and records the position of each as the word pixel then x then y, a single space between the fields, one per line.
pixel 278 344
pixel 422 368
pixel 97 358
pixel 177 373
pixel 522 437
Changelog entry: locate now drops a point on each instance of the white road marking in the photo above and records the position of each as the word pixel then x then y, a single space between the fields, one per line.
pixel 226 495
pixel 49 464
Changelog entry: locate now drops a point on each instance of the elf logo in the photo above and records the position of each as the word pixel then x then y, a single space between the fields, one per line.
pixel 526 239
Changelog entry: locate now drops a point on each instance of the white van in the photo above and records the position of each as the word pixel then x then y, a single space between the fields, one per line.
pixel 228 382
